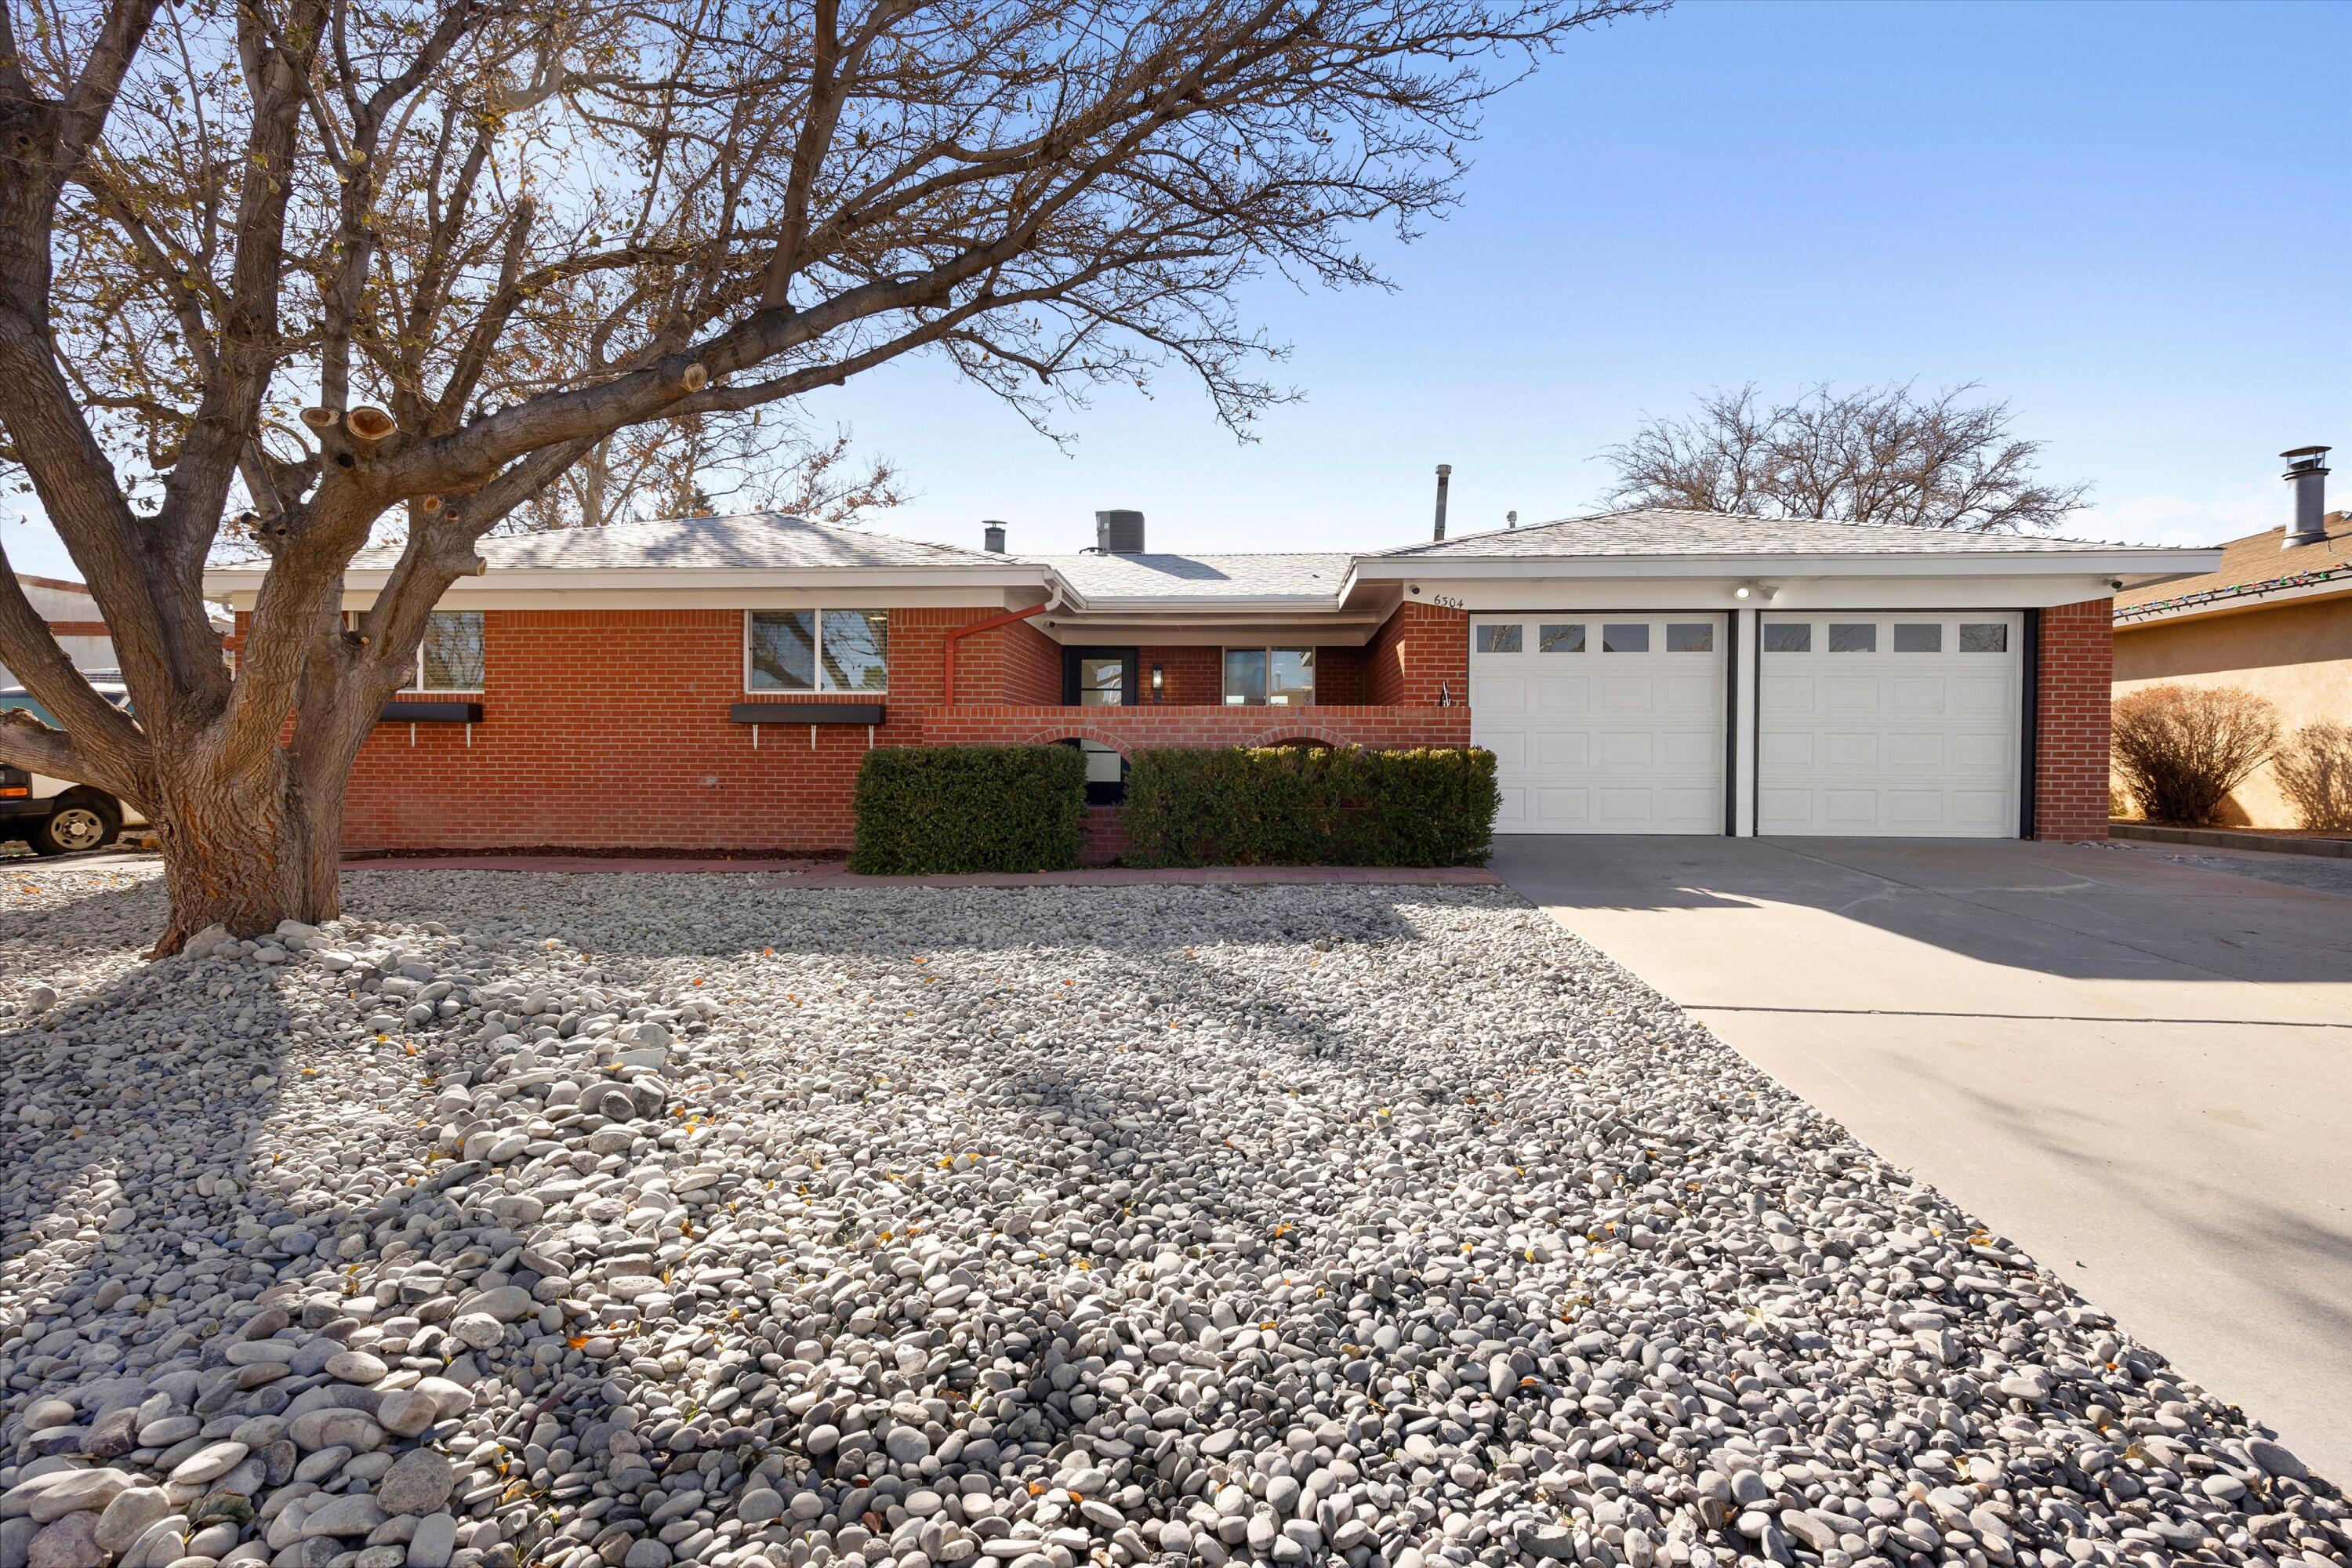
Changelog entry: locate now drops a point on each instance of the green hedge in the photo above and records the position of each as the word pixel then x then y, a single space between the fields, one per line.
pixel 1296 806
pixel 946 810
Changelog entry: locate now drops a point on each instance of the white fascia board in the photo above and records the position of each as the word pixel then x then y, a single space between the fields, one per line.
pixel 2008 592
pixel 1268 605
pixel 2137 567
pixel 1215 631
pixel 674 587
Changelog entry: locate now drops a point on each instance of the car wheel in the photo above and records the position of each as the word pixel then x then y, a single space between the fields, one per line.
pixel 75 827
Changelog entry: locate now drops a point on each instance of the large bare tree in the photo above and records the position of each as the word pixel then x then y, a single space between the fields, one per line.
pixel 320 260
pixel 1883 454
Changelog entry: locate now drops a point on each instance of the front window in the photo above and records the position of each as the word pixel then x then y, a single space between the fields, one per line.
pixel 1275 676
pixel 853 648
pixel 450 657
pixel 818 650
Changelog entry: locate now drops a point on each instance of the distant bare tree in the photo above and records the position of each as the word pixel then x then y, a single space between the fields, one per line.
pixel 1879 455
pixel 706 463
pixel 320 260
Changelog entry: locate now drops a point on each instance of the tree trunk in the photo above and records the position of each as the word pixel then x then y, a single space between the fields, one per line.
pixel 246 852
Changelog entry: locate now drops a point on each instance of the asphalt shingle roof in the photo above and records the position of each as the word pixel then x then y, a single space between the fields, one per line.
pixel 1100 578
pixel 751 539
pixel 1664 531
pixel 2254 561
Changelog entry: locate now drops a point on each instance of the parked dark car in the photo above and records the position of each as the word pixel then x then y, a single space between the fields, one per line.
pixel 58 817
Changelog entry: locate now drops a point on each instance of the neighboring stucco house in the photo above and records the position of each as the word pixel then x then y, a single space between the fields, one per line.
pixel 713 682
pixel 2273 619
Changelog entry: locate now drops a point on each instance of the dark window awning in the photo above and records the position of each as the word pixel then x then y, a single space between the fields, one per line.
pixel 806 712
pixel 452 712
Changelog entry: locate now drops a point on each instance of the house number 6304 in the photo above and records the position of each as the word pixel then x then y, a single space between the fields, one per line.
pixel 1446 601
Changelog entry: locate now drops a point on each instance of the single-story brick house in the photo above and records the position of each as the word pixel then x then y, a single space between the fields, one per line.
pixel 713 681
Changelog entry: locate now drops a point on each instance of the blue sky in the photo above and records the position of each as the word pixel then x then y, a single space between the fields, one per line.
pixel 2134 222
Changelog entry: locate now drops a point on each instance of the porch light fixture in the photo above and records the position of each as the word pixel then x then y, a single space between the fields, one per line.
pixel 1158 680
pixel 1755 590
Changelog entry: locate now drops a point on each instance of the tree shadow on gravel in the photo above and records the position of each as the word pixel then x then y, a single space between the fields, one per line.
pixel 165 1079
pixel 157 1173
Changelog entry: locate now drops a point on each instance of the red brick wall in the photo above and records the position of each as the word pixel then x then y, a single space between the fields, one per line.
pixel 1032 664
pixel 2070 745
pixel 1129 728
pixel 1420 652
pixel 1105 835
pixel 608 729
pixel 1338 676
pixel 1194 677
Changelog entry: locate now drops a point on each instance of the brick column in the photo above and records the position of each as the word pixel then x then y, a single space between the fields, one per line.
pixel 2075 678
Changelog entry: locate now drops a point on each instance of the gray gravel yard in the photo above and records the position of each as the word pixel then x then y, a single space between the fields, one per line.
pixel 640 1219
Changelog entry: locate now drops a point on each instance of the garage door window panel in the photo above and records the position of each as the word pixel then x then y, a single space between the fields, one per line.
pixel 1567 638
pixel 1790 636
pixel 1500 638
pixel 1854 636
pixel 1625 638
pixel 1690 636
pixel 1977 636
pixel 1919 636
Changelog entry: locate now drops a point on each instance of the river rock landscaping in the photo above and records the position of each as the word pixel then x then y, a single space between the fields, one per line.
pixel 636 1220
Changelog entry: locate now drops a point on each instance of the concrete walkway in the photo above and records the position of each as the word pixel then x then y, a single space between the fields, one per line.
pixel 2140 1069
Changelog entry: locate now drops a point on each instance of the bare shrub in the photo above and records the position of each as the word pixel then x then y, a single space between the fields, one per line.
pixel 2315 773
pixel 2182 749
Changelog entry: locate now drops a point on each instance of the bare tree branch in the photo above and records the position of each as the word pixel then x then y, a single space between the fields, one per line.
pixel 1881 455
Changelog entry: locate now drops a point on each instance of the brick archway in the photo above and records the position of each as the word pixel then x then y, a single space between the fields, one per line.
pixel 1056 735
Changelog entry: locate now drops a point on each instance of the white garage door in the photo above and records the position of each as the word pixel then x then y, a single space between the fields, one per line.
pixel 1889 724
pixel 1601 722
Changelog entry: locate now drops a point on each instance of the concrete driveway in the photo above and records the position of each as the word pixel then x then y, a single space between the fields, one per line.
pixel 2140 1069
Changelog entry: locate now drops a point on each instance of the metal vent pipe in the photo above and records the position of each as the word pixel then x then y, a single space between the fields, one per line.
pixel 2307 471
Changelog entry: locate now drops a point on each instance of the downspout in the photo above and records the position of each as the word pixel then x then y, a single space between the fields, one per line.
pixel 990 625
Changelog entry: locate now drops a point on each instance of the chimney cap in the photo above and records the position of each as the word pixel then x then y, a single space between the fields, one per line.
pixel 2305 457
pixel 1443 469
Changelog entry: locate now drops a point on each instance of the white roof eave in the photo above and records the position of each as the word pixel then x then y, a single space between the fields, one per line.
pixel 246 579
pixel 2135 564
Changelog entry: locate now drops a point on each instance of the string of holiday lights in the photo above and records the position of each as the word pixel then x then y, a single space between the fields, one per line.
pixel 2235 591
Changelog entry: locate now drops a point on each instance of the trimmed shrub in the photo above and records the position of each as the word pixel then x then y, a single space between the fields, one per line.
pixel 1296 805
pixel 2315 773
pixel 2180 750
pixel 947 810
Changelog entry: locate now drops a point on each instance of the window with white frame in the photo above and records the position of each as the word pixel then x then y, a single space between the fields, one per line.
pixel 449 658
pixel 817 650
pixel 1275 676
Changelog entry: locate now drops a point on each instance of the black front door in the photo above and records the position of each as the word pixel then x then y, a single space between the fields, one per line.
pixel 1100 677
